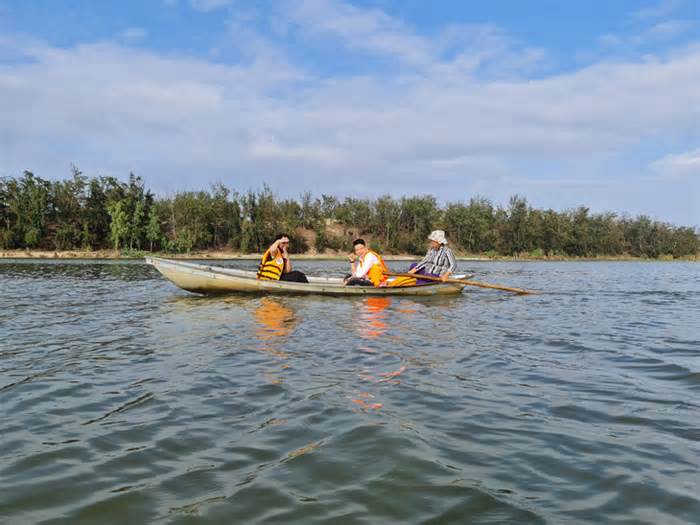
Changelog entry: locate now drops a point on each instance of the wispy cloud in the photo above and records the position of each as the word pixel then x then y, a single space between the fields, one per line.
pixel 659 9
pixel 631 43
pixel 210 5
pixel 132 34
pixel 679 166
pixel 670 28
pixel 370 30
pixel 455 48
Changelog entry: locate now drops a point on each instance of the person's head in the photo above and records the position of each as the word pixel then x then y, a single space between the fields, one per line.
pixel 437 239
pixel 283 239
pixel 360 247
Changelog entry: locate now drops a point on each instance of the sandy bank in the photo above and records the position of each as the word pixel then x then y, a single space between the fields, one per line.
pixel 111 254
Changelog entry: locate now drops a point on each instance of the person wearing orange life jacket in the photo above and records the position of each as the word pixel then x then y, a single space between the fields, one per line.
pixel 275 264
pixel 367 267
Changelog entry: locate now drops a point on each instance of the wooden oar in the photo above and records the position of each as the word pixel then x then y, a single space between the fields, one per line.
pixel 519 291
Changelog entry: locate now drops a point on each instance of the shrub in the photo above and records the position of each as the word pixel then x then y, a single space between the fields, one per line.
pixel 5 239
pixel 66 237
pixel 31 238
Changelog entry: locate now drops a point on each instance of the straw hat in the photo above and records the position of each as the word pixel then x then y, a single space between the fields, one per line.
pixel 438 236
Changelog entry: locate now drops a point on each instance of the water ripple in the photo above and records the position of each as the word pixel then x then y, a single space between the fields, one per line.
pixel 124 399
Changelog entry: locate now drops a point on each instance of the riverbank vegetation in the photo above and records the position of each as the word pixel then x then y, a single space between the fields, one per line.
pixel 94 213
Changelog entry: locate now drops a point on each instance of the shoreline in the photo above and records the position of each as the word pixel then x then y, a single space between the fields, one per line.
pixel 222 255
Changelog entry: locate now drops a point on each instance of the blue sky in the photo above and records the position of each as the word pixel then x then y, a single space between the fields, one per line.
pixel 566 103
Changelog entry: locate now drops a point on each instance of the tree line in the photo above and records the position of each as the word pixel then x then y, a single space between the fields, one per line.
pixel 91 213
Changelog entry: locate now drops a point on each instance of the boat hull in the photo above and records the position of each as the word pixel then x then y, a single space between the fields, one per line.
pixel 210 280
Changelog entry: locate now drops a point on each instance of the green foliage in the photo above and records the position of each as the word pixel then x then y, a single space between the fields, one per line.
pixel 376 246
pixel 95 213
pixel 297 243
pixel 325 241
pixel 183 242
pixel 134 254
pixel 5 238
pixel 26 205
pixel 31 237
pixel 66 237
pixel 471 226
pixel 154 233
pixel 119 227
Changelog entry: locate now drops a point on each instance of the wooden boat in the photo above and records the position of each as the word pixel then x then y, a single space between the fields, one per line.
pixel 205 279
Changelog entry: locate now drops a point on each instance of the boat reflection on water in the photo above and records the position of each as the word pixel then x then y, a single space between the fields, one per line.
pixel 274 323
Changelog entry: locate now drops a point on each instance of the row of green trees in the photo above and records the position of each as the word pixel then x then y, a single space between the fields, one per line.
pixel 103 212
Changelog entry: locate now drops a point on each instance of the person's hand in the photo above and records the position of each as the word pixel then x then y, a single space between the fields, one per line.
pixel 285 254
pixel 444 277
pixel 352 257
pixel 412 270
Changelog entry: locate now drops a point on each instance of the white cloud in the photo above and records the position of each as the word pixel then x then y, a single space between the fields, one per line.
pixel 271 149
pixel 679 166
pixel 128 98
pixel 184 121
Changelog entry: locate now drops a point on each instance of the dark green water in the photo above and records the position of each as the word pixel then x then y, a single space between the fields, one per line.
pixel 126 400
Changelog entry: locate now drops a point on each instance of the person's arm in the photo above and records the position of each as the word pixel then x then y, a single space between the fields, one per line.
pixel 353 263
pixel 367 262
pixel 425 260
pixel 287 262
pixel 274 249
pixel 452 264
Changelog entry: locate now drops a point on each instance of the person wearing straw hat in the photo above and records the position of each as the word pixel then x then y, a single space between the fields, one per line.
pixel 439 261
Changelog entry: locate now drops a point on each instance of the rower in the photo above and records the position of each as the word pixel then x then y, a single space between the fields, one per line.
pixel 438 262
pixel 275 264
pixel 366 266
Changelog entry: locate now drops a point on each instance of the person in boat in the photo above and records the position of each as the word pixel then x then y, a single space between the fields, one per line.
pixel 275 264
pixel 438 262
pixel 366 266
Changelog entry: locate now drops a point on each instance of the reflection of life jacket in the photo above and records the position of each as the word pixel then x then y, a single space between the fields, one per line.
pixel 373 317
pixel 271 269
pixel 274 319
pixel 377 271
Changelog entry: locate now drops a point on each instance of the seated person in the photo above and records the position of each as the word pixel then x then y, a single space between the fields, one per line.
pixel 275 264
pixel 438 262
pixel 367 267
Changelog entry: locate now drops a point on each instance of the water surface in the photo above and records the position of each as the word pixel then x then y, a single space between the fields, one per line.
pixel 124 399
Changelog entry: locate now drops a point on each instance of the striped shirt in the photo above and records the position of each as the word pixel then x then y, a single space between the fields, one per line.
pixel 438 261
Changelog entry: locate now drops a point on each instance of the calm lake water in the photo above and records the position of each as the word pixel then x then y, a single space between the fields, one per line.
pixel 126 400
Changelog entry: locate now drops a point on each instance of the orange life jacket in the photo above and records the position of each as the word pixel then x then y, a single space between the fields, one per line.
pixel 377 271
pixel 271 269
